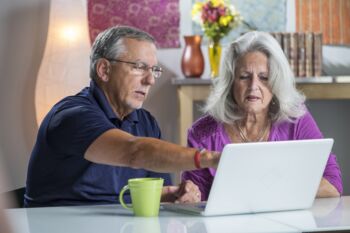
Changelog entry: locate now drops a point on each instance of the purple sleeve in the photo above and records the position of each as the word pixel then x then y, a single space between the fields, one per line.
pixel 308 129
pixel 201 177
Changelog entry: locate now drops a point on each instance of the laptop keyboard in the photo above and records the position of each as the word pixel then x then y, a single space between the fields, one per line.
pixel 200 205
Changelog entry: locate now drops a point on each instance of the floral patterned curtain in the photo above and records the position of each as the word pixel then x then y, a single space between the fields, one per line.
pixel 160 18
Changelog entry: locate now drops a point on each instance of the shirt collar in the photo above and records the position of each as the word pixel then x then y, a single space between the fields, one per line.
pixel 106 107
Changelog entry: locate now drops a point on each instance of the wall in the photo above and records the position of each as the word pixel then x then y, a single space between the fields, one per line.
pixel 23 29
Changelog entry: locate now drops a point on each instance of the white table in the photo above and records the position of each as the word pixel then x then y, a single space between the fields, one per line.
pixel 326 214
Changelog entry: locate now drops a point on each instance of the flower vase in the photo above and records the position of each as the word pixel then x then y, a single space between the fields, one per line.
pixel 192 62
pixel 214 57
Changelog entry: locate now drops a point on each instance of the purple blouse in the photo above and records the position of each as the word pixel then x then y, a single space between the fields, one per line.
pixel 207 133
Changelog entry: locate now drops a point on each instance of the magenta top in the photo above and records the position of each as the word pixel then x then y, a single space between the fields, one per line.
pixel 207 133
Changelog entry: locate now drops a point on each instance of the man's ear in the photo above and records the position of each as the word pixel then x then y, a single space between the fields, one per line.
pixel 103 69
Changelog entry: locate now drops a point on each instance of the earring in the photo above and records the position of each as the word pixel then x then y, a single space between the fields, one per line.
pixel 274 100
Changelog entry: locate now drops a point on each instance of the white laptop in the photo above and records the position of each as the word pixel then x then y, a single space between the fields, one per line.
pixel 264 177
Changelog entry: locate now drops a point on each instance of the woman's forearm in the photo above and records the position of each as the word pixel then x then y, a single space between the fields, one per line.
pixel 326 189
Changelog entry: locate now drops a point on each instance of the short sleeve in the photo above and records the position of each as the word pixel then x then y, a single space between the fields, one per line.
pixel 72 129
pixel 193 141
pixel 307 128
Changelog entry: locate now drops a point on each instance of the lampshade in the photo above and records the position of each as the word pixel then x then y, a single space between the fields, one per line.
pixel 64 69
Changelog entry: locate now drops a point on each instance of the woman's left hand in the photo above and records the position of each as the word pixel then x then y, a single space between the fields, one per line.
pixel 186 192
pixel 326 189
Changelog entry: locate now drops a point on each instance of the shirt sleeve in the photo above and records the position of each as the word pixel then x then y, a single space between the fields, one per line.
pixel 72 129
pixel 308 129
pixel 201 177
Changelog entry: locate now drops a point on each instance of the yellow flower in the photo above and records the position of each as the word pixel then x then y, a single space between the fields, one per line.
pixel 216 3
pixel 225 20
pixel 216 17
pixel 197 8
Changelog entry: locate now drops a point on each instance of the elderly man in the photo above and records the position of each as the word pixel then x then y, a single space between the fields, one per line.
pixel 90 144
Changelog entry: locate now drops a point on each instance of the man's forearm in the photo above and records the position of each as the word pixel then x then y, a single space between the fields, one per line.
pixel 118 148
pixel 164 156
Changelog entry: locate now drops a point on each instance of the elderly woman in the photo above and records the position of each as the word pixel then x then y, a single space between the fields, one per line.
pixel 256 100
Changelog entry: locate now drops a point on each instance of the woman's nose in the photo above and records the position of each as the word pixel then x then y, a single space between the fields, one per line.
pixel 254 82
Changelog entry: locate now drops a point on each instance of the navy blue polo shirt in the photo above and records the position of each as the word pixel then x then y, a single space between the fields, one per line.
pixel 58 174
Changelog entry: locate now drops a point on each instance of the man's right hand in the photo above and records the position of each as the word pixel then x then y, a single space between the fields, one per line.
pixel 186 192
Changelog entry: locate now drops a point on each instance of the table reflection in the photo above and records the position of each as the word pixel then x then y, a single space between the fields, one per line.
pixel 301 219
pixel 328 211
pixel 104 218
pixel 326 214
pixel 226 224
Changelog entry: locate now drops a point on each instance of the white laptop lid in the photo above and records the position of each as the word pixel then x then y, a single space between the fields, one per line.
pixel 267 176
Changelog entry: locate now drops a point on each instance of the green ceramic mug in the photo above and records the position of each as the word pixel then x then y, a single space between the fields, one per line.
pixel 145 196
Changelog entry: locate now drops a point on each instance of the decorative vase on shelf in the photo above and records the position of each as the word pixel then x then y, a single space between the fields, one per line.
pixel 214 51
pixel 192 62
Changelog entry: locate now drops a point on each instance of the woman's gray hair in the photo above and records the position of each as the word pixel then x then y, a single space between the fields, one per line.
pixel 109 44
pixel 287 103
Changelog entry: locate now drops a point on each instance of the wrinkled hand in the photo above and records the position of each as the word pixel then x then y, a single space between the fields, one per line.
pixel 186 192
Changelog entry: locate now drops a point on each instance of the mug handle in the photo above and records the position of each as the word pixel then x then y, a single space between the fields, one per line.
pixel 121 199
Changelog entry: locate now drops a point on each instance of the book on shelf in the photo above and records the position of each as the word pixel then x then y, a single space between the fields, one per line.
pixel 293 52
pixel 278 37
pixel 317 55
pixel 286 44
pixel 301 55
pixel 303 51
pixel 308 54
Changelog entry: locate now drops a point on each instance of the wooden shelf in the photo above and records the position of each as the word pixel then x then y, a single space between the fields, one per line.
pixel 195 89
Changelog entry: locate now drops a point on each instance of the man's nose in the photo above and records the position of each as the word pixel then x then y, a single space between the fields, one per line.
pixel 149 78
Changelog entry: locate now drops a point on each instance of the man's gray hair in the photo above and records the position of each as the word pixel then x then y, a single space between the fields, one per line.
pixel 109 44
pixel 287 103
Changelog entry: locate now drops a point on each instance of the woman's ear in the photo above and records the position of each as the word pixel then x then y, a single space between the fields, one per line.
pixel 103 69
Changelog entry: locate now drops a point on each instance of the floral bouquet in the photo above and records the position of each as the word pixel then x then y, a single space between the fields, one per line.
pixel 216 17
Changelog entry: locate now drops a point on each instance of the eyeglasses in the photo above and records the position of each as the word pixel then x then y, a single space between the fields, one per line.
pixel 141 67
